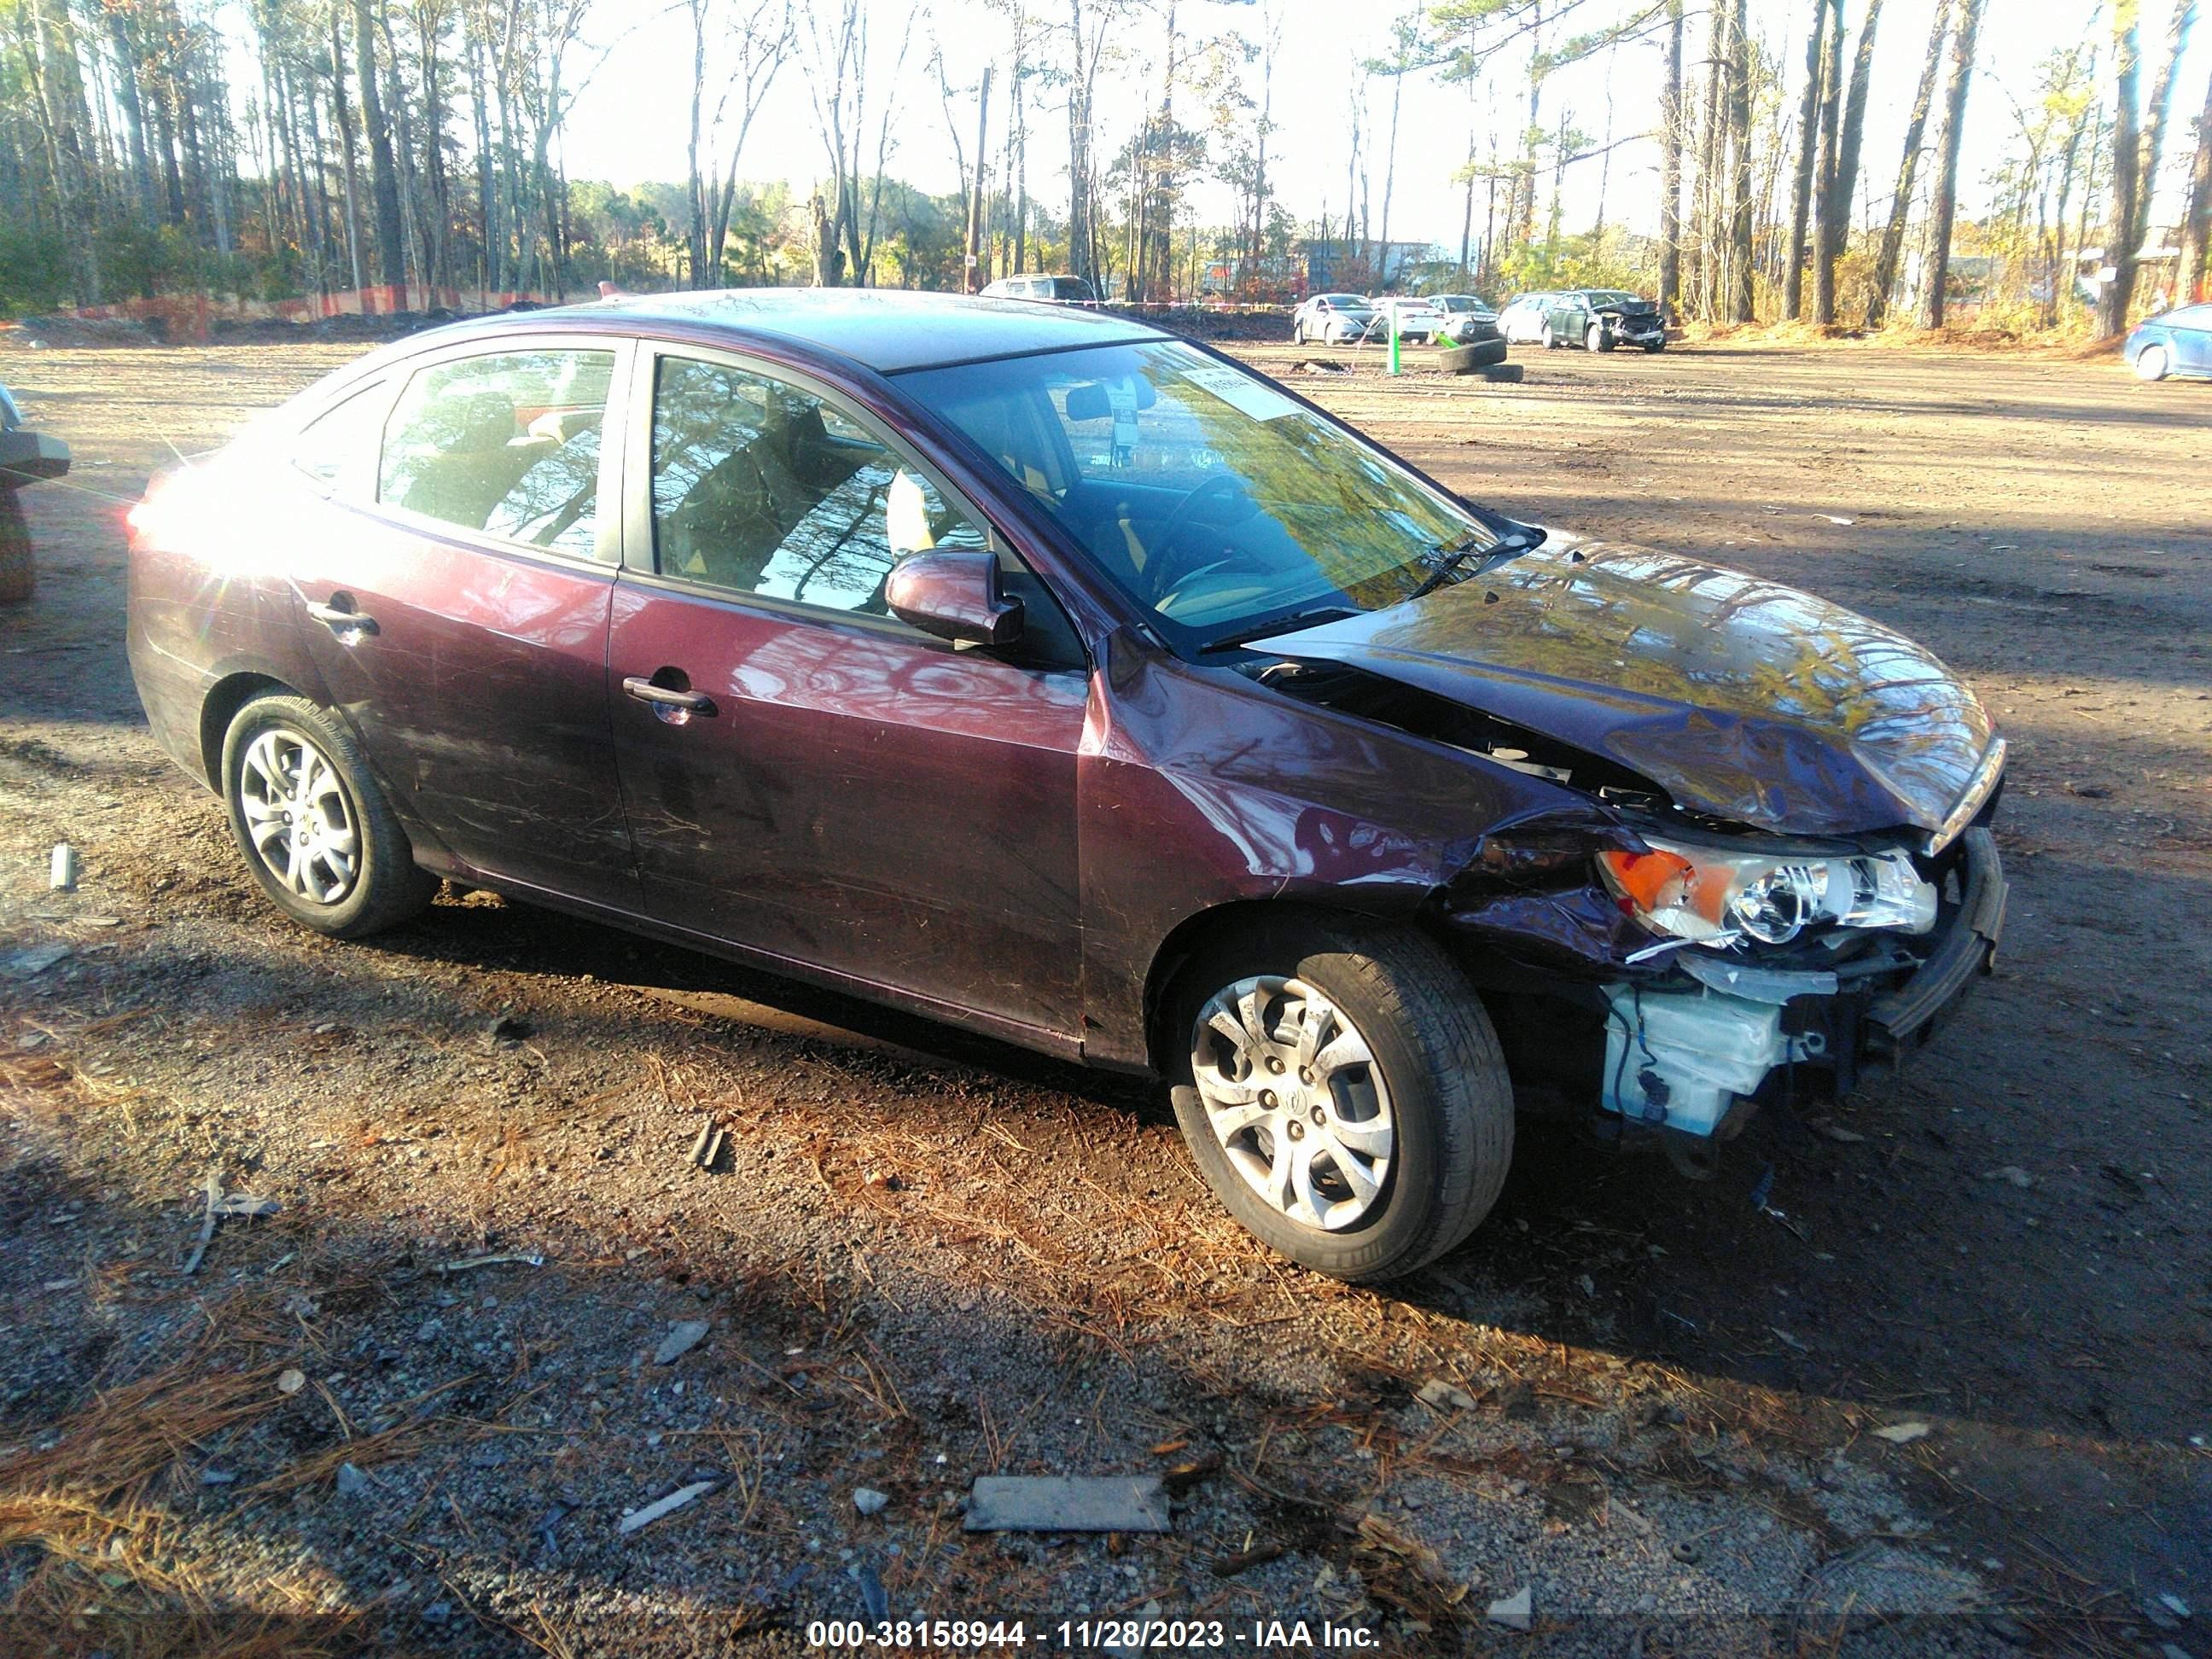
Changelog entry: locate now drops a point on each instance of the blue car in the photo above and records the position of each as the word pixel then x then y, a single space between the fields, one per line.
pixel 2174 342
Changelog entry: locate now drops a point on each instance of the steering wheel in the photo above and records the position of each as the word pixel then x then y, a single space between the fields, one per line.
pixel 1168 573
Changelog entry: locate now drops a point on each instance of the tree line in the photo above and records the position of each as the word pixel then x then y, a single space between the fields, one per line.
pixel 278 148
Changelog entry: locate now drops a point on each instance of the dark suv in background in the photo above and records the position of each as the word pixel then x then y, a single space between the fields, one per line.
pixel 1600 318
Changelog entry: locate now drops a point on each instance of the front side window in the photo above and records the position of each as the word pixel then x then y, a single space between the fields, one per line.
pixel 1204 492
pixel 763 487
pixel 507 444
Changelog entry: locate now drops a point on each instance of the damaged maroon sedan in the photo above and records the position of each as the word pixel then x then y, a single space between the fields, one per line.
pixel 1048 675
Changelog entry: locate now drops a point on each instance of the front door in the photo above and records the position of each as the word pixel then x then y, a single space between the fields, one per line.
pixel 805 775
pixel 458 615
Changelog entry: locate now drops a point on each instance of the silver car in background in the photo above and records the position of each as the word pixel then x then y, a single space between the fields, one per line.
pixel 1417 319
pixel 1521 322
pixel 1332 319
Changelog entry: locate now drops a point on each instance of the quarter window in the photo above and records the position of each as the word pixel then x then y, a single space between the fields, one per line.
pixel 761 488
pixel 508 445
pixel 341 439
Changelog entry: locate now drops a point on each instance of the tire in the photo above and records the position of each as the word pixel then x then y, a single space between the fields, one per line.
pixel 383 887
pixel 1465 360
pixel 2152 363
pixel 1442 1113
pixel 1654 347
pixel 1595 340
pixel 1546 339
pixel 1298 334
pixel 18 576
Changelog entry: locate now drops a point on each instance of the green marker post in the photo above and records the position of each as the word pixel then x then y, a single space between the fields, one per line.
pixel 1394 364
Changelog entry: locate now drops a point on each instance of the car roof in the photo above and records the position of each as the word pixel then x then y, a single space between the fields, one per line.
pixel 885 329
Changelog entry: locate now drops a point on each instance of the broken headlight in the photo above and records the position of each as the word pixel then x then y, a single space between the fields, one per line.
pixel 1702 896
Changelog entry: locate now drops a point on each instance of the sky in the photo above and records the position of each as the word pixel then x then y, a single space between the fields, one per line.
pixel 630 124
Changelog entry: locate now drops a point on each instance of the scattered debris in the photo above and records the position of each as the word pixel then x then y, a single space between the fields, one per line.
pixel 217 1477
pixel 62 877
pixel 1788 1339
pixel 1443 1395
pixel 352 1482
pixel 1903 1434
pixel 1835 518
pixel 2174 1605
pixel 1516 1611
pixel 291 1379
pixel 470 1263
pixel 504 1030
pixel 709 1147
pixel 874 1597
pixel 683 1335
pixel 674 1500
pixel 219 1207
pixel 1228 1567
pixel 869 1501
pixel 2011 1173
pixel 1063 1503
pixel 32 959
pixel 1318 366
pixel 1401 1572
pixel 1841 1136
pixel 1189 1473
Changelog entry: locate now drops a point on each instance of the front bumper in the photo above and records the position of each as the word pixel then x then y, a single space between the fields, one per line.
pixel 26 457
pixel 1696 1059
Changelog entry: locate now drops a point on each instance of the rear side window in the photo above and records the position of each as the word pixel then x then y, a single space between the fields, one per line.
pixel 342 439
pixel 507 444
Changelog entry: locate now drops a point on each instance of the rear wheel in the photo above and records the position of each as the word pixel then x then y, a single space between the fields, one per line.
pixel 1546 337
pixel 2152 363
pixel 316 830
pixel 1345 1097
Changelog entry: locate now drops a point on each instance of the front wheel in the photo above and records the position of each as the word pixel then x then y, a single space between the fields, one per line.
pixel 316 830
pixel 1654 346
pixel 1595 340
pixel 1346 1097
pixel 1546 339
pixel 2151 363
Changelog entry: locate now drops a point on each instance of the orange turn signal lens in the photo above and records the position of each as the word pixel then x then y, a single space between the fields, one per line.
pixel 1650 881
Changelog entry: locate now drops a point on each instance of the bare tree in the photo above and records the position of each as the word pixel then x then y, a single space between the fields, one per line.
pixel 1840 180
pixel 737 47
pixel 1945 209
pixel 2156 113
pixel 2196 211
pixel 1901 202
pixel 840 72
pixel 1809 136
pixel 2123 239
pixel 1670 169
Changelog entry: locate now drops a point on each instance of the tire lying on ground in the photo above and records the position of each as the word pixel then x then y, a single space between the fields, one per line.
pixel 1506 374
pixel 1465 360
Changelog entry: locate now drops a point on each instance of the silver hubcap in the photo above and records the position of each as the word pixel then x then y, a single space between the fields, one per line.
pixel 296 816
pixel 1296 1099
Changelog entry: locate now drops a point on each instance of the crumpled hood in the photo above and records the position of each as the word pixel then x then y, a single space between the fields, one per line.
pixel 1739 698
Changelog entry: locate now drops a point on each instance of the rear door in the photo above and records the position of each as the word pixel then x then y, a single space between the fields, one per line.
pixel 459 612
pixel 805 775
pixel 2190 330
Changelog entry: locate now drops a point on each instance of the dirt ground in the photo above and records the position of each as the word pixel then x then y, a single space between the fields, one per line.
pixel 926 1258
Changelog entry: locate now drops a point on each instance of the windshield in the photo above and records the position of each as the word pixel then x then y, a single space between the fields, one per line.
pixel 1216 502
pixel 1611 297
pixel 1356 301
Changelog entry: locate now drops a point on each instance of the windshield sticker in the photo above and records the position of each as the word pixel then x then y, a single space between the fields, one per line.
pixel 1241 391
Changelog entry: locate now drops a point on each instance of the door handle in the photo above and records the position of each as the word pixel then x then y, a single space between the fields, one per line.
pixel 660 696
pixel 342 620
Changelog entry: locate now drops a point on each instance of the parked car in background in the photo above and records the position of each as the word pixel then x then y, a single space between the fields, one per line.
pixel 1417 319
pixel 1467 319
pixel 1055 290
pixel 26 457
pixel 1600 318
pixel 1332 319
pixel 1522 321
pixel 1031 669
pixel 2177 342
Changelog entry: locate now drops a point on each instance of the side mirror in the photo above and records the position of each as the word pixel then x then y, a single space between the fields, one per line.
pixel 954 596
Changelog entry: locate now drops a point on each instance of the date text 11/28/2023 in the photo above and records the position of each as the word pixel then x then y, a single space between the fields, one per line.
pixel 1089 1635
